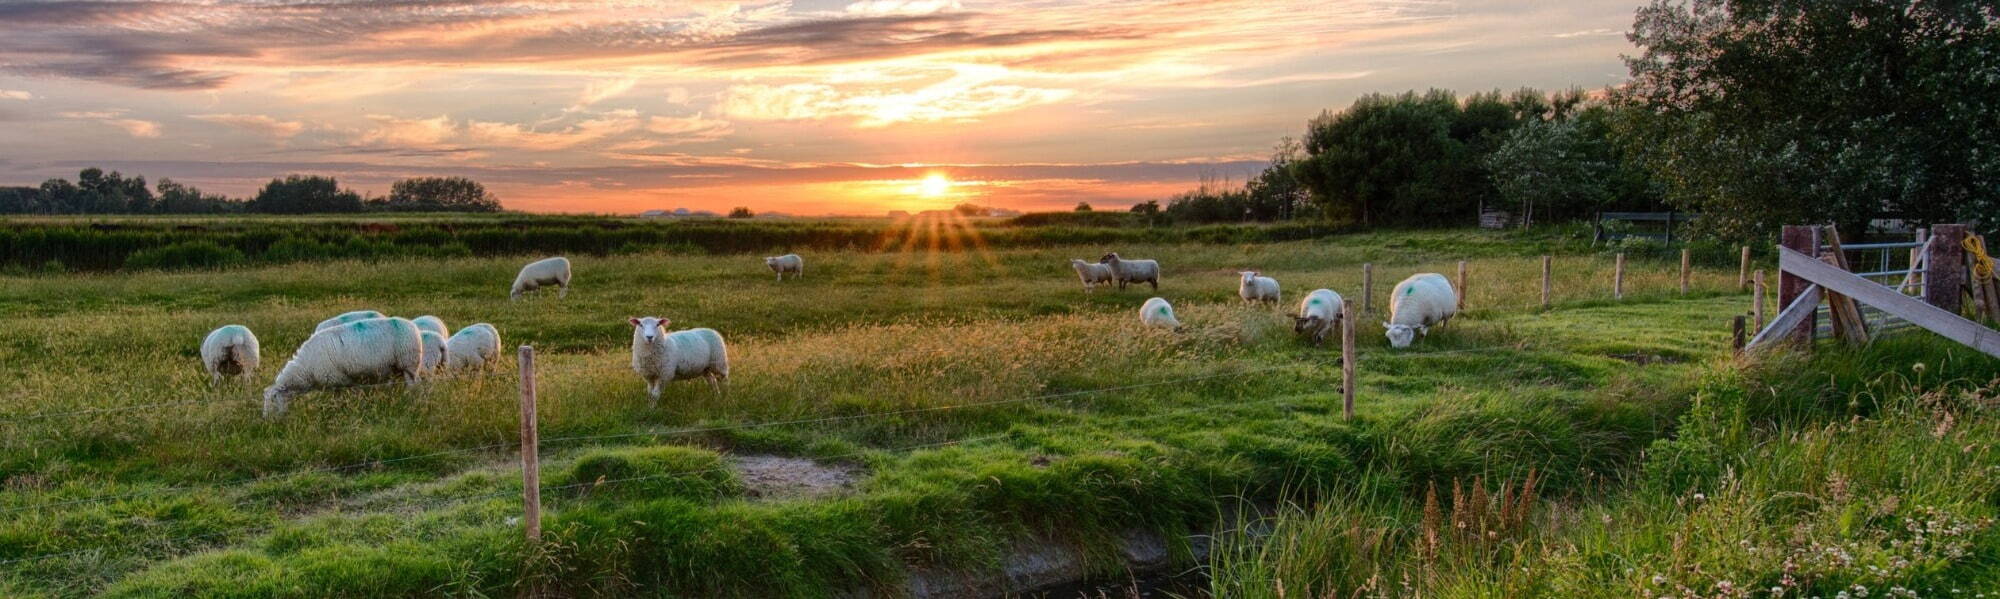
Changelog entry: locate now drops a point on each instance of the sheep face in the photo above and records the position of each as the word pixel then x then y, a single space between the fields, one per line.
pixel 1400 335
pixel 1301 324
pixel 651 329
pixel 1111 258
pixel 274 400
pixel 1248 276
pixel 771 261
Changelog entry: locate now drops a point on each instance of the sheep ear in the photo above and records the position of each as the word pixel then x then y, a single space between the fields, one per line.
pixel 1385 324
pixel 635 321
pixel 665 321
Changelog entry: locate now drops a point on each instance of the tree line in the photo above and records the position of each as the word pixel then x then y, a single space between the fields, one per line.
pixel 99 192
pixel 1751 113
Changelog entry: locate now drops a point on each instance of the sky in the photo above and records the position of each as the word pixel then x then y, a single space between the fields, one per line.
pixel 796 106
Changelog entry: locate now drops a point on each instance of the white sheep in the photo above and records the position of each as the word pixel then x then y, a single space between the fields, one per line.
pixel 432 324
pixel 661 357
pixel 359 352
pixel 1257 288
pixel 1158 313
pixel 1133 271
pixel 434 351
pixel 542 273
pixel 788 263
pixel 1092 273
pixel 346 318
pixel 1417 303
pixel 1318 314
pixel 476 346
pixel 230 351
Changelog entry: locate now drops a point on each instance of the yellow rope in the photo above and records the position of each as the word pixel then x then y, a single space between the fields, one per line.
pixel 1982 264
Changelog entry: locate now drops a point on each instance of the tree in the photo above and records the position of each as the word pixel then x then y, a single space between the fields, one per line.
pixel 304 194
pixel 19 200
pixel 971 209
pixel 440 194
pixel 741 212
pixel 1083 206
pixel 1547 162
pixel 176 198
pixel 1759 113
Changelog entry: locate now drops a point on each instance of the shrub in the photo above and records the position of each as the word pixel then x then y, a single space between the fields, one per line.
pixel 193 254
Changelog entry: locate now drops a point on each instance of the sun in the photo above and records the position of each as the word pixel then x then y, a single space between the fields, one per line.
pixel 934 185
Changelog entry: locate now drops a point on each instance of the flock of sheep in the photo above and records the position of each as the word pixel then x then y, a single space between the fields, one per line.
pixel 366 346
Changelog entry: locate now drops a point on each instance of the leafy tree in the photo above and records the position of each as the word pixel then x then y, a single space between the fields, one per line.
pixel 1083 206
pixel 305 194
pixel 19 200
pixel 1548 163
pixel 439 194
pixel 741 212
pixel 970 209
pixel 1384 159
pixel 176 198
pixel 1758 113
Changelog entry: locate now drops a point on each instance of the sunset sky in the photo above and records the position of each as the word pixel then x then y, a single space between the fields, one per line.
pixel 804 106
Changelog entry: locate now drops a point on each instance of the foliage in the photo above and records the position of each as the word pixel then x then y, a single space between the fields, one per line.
pixel 437 194
pixel 192 254
pixel 305 194
pixel 1546 163
pixel 741 212
pixel 1083 206
pixel 1408 159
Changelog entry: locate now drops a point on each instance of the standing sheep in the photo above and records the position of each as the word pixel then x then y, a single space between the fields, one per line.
pixel 476 346
pixel 661 357
pixel 788 263
pixel 1158 313
pixel 434 351
pixel 1092 274
pixel 1417 303
pixel 1257 288
pixel 432 324
pixel 1133 271
pixel 230 351
pixel 358 352
pixel 1318 315
pixel 346 318
pixel 542 273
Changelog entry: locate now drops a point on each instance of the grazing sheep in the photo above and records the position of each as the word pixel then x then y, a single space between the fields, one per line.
pixel 1092 274
pixel 432 324
pixel 346 318
pixel 230 351
pixel 1158 313
pixel 476 346
pixel 1133 271
pixel 1417 303
pixel 788 263
pixel 363 351
pixel 542 273
pixel 1318 315
pixel 1257 288
pixel 434 351
pixel 662 357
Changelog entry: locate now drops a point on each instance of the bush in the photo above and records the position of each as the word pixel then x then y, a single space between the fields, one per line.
pixel 194 254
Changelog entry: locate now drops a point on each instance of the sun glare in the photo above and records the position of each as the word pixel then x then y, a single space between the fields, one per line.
pixel 934 185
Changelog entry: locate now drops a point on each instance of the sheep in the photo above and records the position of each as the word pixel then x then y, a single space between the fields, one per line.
pixel 346 318
pixel 542 273
pixel 788 263
pixel 1318 315
pixel 1257 288
pixel 432 324
pixel 434 350
pixel 1133 271
pixel 662 357
pixel 476 346
pixel 1417 303
pixel 230 351
pixel 1092 274
pixel 355 353
pixel 1158 313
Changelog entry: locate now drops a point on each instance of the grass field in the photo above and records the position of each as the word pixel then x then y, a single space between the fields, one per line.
pixel 981 397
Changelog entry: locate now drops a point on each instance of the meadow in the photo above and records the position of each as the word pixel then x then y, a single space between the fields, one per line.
pixel 976 396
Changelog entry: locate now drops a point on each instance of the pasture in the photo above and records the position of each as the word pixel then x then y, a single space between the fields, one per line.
pixel 967 403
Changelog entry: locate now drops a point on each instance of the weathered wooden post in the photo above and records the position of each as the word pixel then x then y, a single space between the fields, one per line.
pixel 531 469
pixel 1347 326
pixel 1684 271
pixel 1618 277
pixel 1944 268
pixel 1548 269
pixel 1461 286
pixel 1743 271
pixel 1368 287
pixel 1736 327
pixel 1803 239
pixel 1757 300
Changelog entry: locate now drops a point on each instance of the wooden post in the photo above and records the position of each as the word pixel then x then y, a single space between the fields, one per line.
pixel 1944 268
pixel 1684 271
pixel 1916 257
pixel 1743 271
pixel 1618 277
pixel 1847 323
pixel 1757 300
pixel 531 469
pixel 1548 268
pixel 1347 326
pixel 1368 287
pixel 1461 285
pixel 1737 331
pixel 1804 239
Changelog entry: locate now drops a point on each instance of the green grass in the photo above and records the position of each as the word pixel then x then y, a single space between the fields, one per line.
pixel 961 384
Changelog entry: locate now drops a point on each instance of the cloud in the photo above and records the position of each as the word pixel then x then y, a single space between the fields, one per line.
pixel 116 118
pixel 256 123
pixel 402 132
pixel 693 129
pixel 1589 33
pixel 10 94
pixel 903 7
pixel 967 95
pixel 601 90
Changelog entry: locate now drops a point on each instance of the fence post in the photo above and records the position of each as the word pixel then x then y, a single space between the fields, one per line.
pixel 1548 267
pixel 1743 271
pixel 1684 271
pixel 1347 325
pixel 1461 286
pixel 1944 268
pixel 531 470
pixel 1805 240
pixel 1736 328
pixel 1618 277
pixel 1757 300
pixel 1368 287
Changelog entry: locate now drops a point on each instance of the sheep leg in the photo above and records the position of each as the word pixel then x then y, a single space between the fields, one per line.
pixel 563 291
pixel 653 390
pixel 715 380
pixel 1155 283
